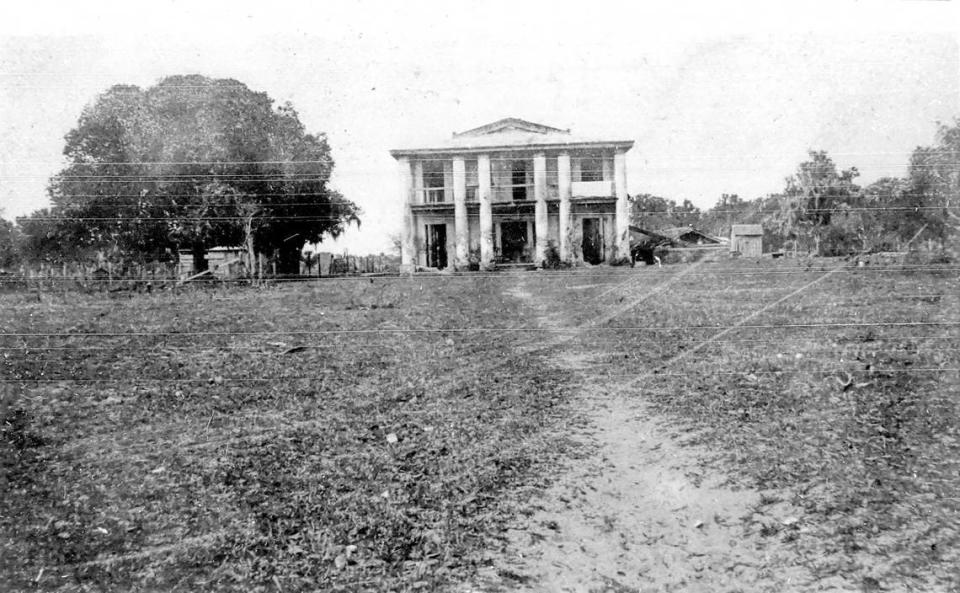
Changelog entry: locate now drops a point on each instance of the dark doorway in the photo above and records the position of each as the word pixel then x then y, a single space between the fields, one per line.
pixel 513 241
pixel 518 178
pixel 592 241
pixel 437 246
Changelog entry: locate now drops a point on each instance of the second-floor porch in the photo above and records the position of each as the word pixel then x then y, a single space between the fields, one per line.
pixel 511 177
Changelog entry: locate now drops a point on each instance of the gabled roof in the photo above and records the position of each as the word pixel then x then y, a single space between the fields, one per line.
pixel 511 134
pixel 645 238
pixel 688 234
pixel 746 229
pixel 510 123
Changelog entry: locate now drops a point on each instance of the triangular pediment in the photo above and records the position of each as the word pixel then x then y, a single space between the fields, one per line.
pixel 511 124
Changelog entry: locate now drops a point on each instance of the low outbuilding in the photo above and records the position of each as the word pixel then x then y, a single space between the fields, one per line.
pixel 223 262
pixel 746 240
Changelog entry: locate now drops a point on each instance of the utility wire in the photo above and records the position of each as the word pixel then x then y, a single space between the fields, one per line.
pixel 320 377
pixel 478 329
pixel 140 201
pixel 443 278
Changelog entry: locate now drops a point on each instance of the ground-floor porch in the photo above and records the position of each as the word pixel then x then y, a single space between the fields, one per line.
pixel 515 234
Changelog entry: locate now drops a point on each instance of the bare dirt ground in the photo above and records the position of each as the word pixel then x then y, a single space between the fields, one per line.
pixel 638 514
pixel 731 426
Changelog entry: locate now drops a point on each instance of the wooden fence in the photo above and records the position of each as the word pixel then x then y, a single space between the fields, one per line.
pixel 107 275
pixel 148 276
pixel 329 264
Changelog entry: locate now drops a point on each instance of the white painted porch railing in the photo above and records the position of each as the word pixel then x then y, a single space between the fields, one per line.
pixel 437 195
pixel 431 195
pixel 592 188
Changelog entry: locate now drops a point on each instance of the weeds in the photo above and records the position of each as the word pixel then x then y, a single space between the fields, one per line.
pixel 177 454
pixel 167 442
pixel 856 426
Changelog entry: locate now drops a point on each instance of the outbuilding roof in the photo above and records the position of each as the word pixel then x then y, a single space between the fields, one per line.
pixel 512 133
pixel 746 229
pixel 688 234
pixel 645 238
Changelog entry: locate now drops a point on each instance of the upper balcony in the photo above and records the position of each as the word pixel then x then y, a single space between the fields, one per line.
pixel 513 175
pixel 514 192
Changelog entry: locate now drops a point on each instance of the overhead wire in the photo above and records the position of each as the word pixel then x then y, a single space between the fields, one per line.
pixel 488 329
pixel 647 272
pixel 318 377
pixel 168 207
pixel 905 342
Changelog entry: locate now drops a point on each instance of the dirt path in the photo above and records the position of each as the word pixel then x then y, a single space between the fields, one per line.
pixel 639 514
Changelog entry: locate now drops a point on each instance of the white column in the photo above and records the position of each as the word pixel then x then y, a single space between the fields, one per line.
pixel 565 189
pixel 540 206
pixel 407 247
pixel 622 240
pixel 486 212
pixel 418 184
pixel 460 225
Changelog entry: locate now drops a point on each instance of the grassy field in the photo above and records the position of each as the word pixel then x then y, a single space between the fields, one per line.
pixel 840 403
pixel 377 434
pixel 323 434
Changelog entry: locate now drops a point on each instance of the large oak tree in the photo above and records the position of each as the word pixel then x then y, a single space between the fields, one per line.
pixel 191 163
pixel 814 195
pixel 934 186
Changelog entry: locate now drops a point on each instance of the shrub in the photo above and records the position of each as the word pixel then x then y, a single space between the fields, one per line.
pixel 552 259
pixel 473 260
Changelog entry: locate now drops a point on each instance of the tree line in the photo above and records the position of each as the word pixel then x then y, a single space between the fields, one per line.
pixel 821 209
pixel 187 164
pixel 193 162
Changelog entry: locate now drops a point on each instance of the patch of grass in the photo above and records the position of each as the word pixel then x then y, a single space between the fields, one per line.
pixel 843 397
pixel 290 438
pixel 285 438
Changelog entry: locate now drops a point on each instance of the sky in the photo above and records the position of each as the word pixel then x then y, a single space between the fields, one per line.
pixel 719 97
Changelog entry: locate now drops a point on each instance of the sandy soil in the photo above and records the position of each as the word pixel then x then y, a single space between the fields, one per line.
pixel 639 514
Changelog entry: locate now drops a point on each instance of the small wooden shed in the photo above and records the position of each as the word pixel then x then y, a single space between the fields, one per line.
pixel 224 262
pixel 746 239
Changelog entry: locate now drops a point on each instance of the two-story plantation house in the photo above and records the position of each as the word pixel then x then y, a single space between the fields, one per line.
pixel 510 191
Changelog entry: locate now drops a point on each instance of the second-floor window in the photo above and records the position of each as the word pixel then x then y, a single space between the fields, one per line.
pixel 591 169
pixel 433 181
pixel 518 178
pixel 473 180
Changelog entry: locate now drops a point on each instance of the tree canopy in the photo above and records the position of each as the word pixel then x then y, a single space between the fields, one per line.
pixel 9 244
pixel 191 163
pixel 813 196
pixel 932 200
pixel 822 210
pixel 653 212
